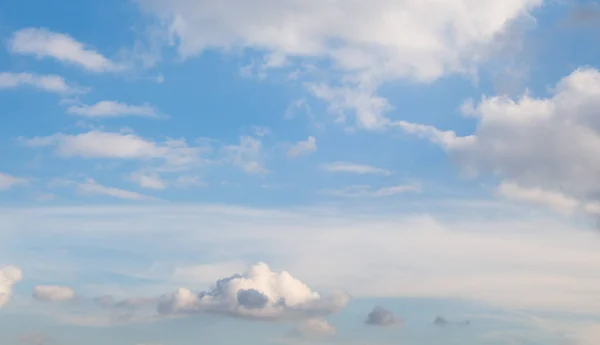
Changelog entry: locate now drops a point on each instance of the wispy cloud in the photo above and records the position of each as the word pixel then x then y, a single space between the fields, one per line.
pixel 49 83
pixel 105 109
pixel 9 181
pixel 353 168
pixel 367 191
pixel 43 43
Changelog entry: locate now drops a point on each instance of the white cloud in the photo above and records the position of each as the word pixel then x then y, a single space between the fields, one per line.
pixel 303 148
pixel 148 180
pixel 91 187
pixel 9 275
pixel 43 43
pixel 540 144
pixel 49 83
pixel 489 253
pixel 9 181
pixel 364 46
pixel 98 144
pixel 314 328
pixel 366 191
pixel 53 293
pixel 248 155
pixel 104 109
pixel 353 168
pixel 555 200
pixel 259 293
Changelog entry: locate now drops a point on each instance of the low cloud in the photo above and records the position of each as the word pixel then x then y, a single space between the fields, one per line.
pixel 380 316
pixel 313 328
pixel 53 293
pixel 9 275
pixel 258 294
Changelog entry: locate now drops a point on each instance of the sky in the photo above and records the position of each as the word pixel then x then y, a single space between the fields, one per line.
pixel 286 172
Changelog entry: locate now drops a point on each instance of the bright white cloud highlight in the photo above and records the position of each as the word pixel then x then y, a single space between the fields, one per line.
pixel 353 168
pixel 48 83
pixel 259 293
pixel 9 275
pixel 53 293
pixel 43 43
pixel 104 109
pixel 303 148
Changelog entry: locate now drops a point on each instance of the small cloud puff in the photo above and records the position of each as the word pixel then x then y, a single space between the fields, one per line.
pixel 380 316
pixel 314 328
pixel 258 294
pixel 53 293
pixel 9 275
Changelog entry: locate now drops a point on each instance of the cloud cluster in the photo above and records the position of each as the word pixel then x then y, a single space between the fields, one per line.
pixel 380 316
pixel 9 275
pixel 543 148
pixel 259 294
pixel 365 45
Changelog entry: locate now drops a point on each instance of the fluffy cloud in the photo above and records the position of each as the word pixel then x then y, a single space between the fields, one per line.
pixel 8 181
pixel 544 148
pixel 42 43
pixel 365 46
pixel 49 82
pixel 9 275
pixel 259 294
pixel 303 148
pixel 353 168
pixel 53 293
pixel 314 328
pixel 366 191
pixel 104 109
pixel 248 155
pixel 380 316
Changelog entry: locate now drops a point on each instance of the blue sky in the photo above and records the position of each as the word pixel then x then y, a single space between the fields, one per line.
pixel 299 172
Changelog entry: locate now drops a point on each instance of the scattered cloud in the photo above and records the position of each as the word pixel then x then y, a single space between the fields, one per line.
pixel 106 109
pixel 91 187
pixel 248 155
pixel 9 181
pixel 148 180
pixel 442 322
pixel 313 328
pixel 49 82
pixel 303 148
pixel 380 316
pixel 353 168
pixel 43 43
pixel 9 276
pixel 175 154
pixel 261 131
pixel 367 191
pixel 258 294
pixel 53 293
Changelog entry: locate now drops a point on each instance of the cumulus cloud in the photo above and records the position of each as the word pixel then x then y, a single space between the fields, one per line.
pixel 43 43
pixel 49 82
pixel 366 46
pixel 248 155
pixel 313 328
pixel 366 191
pixel 303 148
pixel 104 109
pixel 259 294
pixel 545 148
pixel 53 293
pixel 353 168
pixel 9 181
pixel 9 275
pixel 380 316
